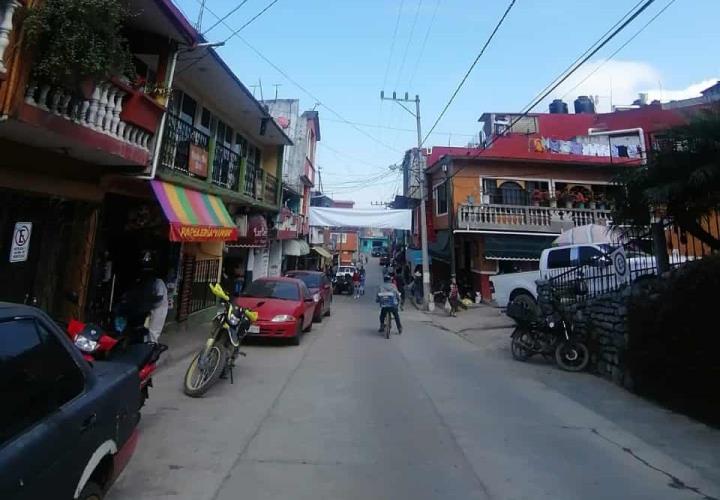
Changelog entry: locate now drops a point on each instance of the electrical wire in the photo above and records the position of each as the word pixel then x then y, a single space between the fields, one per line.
pixel 299 86
pixel 567 75
pixel 627 42
pixel 424 43
pixel 407 46
pixel 472 66
pixel 233 11
pixel 386 127
pixel 392 44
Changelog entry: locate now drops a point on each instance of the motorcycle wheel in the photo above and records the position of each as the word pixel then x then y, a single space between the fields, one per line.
pixel 572 356
pixel 197 380
pixel 518 345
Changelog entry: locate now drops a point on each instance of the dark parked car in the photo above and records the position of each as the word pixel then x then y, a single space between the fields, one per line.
pixel 67 428
pixel 321 288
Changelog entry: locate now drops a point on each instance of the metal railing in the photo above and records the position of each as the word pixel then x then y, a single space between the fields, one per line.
pixel 226 168
pixel 591 272
pixel 176 141
pixel 549 219
pixel 270 188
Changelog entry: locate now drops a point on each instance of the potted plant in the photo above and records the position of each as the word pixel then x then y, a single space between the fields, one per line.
pixel 76 44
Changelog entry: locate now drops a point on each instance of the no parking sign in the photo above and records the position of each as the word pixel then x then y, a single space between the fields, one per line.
pixel 20 248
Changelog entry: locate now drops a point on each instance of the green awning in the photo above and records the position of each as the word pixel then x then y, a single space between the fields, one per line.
pixel 516 247
pixel 440 248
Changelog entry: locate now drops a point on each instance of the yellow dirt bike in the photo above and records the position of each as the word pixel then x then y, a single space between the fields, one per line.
pixel 229 328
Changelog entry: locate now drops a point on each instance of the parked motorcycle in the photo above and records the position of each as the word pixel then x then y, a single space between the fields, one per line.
pixel 217 357
pixel 551 337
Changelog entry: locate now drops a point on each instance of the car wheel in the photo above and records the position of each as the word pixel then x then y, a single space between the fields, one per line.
pixel 91 491
pixel 298 333
pixel 317 318
pixel 526 301
pixel 308 328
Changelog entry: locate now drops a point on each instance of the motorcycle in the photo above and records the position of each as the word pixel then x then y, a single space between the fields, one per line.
pixel 552 338
pixel 97 344
pixel 229 328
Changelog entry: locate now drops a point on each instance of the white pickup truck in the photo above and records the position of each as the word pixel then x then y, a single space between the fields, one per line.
pixel 602 263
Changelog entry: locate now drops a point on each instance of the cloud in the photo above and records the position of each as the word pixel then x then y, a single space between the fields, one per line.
pixel 619 82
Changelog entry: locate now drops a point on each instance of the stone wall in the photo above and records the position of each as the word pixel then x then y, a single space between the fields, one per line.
pixel 602 321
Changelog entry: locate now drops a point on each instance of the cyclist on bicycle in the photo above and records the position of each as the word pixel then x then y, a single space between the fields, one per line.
pixel 388 297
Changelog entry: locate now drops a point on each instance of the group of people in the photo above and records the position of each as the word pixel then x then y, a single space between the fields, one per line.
pixel 358 280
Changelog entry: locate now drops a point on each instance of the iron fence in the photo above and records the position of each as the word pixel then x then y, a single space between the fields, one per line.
pixel 176 141
pixel 226 167
pixel 578 273
pixel 205 273
pixel 270 189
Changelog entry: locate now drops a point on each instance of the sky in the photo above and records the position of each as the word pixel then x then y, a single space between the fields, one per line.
pixel 336 56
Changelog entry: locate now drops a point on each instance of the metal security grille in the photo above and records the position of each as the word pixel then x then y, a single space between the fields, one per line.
pixel 195 294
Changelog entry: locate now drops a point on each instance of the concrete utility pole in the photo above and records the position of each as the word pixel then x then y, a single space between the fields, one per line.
pixel 420 176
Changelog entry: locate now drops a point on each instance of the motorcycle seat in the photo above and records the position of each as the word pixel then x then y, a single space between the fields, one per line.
pixel 140 355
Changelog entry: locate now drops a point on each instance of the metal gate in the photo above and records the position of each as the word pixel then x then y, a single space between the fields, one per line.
pixel 195 294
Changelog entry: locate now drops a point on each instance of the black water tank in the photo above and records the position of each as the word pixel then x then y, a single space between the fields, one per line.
pixel 583 104
pixel 558 107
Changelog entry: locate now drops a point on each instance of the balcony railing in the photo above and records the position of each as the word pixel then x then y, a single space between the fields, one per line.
pixel 101 112
pixel 270 189
pixel 226 168
pixel 525 218
pixel 175 151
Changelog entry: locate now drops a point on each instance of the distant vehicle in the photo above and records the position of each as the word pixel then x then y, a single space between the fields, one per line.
pixel 68 428
pixel 284 305
pixel 321 288
pixel 521 288
pixel 378 251
pixel 384 260
pixel 343 270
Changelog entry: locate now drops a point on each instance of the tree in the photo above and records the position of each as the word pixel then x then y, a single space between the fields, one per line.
pixel 681 179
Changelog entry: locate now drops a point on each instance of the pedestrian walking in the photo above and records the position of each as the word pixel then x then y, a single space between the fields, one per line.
pixel 356 284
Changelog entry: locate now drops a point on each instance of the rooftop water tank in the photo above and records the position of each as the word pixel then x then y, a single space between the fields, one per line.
pixel 558 107
pixel 583 104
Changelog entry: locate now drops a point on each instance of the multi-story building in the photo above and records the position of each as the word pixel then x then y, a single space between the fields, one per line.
pixel 299 171
pixel 176 158
pixel 493 209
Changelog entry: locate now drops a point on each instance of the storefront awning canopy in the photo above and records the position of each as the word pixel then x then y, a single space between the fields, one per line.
pixel 296 248
pixel 515 247
pixel 194 216
pixel 323 253
pixel 440 248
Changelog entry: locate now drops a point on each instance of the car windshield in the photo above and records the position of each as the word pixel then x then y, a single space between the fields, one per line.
pixel 346 270
pixel 270 289
pixel 310 280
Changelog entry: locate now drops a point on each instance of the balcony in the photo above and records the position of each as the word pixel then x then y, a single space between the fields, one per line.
pixel 308 175
pixel 184 148
pixel 226 168
pixel 549 220
pixel 114 125
pixel 270 189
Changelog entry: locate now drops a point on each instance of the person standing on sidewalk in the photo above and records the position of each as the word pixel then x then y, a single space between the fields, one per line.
pixel 400 283
pixel 453 296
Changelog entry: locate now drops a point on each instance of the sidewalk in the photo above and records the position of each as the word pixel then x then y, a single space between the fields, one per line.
pixel 186 337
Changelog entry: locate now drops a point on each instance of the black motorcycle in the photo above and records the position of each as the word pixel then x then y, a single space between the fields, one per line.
pixel 552 337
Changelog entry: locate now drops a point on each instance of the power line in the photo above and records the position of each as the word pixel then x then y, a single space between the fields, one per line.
pixel 407 46
pixel 627 42
pixel 392 44
pixel 424 43
pixel 234 33
pixel 298 85
pixel 567 75
pixel 472 66
pixel 386 127
pixel 233 11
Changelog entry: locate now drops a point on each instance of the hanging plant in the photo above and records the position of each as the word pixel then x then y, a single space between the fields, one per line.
pixel 76 41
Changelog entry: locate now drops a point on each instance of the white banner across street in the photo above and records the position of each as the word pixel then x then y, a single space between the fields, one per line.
pixel 354 217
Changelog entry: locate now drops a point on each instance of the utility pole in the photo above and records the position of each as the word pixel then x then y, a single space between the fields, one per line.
pixel 420 176
pixel 198 23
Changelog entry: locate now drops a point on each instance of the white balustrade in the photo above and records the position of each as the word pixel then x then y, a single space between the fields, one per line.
pixel 101 112
pixel 7 10
pixel 527 217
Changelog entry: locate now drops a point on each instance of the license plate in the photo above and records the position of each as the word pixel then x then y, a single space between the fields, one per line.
pixel 253 329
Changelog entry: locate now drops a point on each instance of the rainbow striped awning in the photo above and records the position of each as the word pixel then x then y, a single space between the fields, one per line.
pixel 194 216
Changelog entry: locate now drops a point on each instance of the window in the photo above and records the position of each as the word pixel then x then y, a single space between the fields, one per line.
pixel 591 256
pixel 37 375
pixel 270 289
pixel 310 280
pixel 559 258
pixel 205 119
pixel 441 202
pixel 188 109
pixel 221 127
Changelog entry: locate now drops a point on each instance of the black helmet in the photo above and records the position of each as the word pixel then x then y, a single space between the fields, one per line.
pixel 386 278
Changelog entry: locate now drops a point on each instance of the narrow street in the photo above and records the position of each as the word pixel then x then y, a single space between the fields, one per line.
pixel 425 415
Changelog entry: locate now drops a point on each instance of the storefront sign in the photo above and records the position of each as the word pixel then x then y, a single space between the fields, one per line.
pixel 252 231
pixel 20 248
pixel 287 224
pixel 198 163
pixel 179 232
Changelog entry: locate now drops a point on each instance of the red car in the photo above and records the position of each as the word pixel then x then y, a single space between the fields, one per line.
pixel 285 307
pixel 321 288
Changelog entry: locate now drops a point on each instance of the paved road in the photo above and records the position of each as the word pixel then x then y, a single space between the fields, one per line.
pixel 425 415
